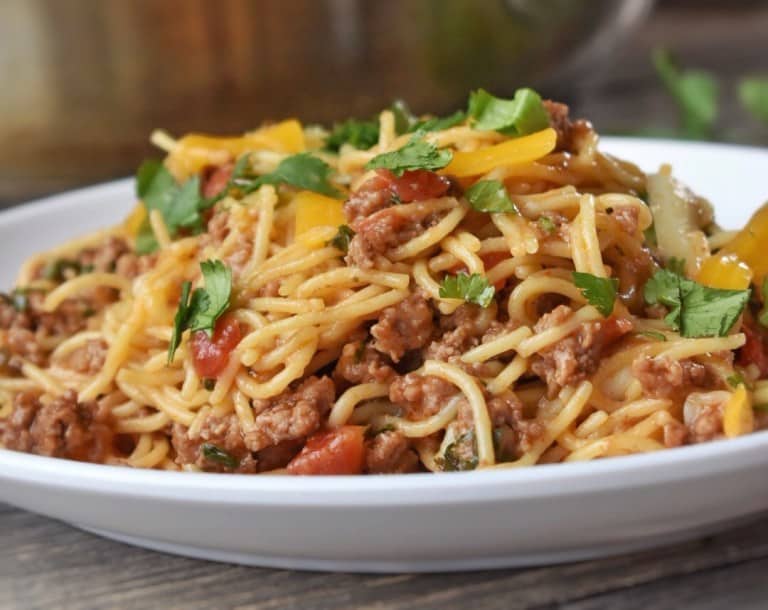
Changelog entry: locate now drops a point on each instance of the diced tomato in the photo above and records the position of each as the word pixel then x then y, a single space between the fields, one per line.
pixel 211 354
pixel 614 328
pixel 754 350
pixel 419 184
pixel 339 451
pixel 215 178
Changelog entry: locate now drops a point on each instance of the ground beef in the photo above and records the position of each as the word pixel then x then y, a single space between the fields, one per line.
pixel 703 415
pixel 390 453
pixel 218 230
pixel 386 229
pixel 104 257
pixel 663 377
pixel 373 196
pixel 88 359
pixel 131 265
pixel 62 427
pixel 421 395
pixel 569 134
pixel 404 327
pixel 292 415
pixel 514 434
pixel 461 331
pixel 218 227
pixel 361 363
pixel 578 355
pixel 215 178
pixel 222 432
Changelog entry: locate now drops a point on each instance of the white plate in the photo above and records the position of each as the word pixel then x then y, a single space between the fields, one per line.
pixel 405 522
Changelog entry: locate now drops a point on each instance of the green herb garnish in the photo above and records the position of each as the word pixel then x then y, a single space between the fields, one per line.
pixel 405 120
pixel 202 308
pixel 302 170
pixel 341 240
pixel 452 460
pixel 762 317
pixel 490 196
pixel 523 114
pixel 735 380
pixel 547 225
pixel 416 154
pixel 216 454
pixel 695 310
pixel 652 334
pixel 471 288
pixel 360 134
pixel 599 291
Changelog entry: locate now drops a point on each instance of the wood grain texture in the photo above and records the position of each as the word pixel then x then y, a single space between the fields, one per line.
pixel 50 565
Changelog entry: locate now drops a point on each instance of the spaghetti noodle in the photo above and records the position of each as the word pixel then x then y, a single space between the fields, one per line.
pixel 450 296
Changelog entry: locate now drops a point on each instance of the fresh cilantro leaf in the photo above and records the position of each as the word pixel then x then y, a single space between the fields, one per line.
pixel 453 458
pixel 201 309
pixel 61 268
pixel 762 317
pixel 599 291
pixel 490 196
pixel 179 320
pixel 216 454
pixel 695 310
pixel 341 240
pixel 360 134
pixel 547 225
pixel 440 123
pixel 523 114
pixel 302 170
pixel 416 154
pixel 179 205
pixel 214 299
pixel 753 93
pixel 652 334
pixel 695 92
pixel 405 120
pixel 472 288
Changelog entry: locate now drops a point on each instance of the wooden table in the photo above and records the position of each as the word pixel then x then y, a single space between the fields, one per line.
pixel 45 564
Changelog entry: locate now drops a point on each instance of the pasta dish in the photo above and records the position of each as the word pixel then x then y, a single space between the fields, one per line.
pixel 405 294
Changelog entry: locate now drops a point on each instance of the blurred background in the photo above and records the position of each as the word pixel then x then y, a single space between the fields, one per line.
pixel 85 81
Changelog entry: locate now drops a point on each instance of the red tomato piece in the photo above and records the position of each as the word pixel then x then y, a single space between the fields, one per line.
pixel 754 350
pixel 211 354
pixel 339 451
pixel 215 178
pixel 420 184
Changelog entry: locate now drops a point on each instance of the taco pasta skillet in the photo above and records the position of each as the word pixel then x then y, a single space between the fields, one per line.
pixel 480 290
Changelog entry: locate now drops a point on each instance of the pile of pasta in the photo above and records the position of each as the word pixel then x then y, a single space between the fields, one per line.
pixel 616 311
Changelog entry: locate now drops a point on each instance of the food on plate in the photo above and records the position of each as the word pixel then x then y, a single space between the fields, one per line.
pixel 406 294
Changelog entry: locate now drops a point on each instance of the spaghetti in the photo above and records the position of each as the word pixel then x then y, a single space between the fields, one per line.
pixel 451 295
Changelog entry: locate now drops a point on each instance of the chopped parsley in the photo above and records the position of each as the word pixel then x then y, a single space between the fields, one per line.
pixel 180 205
pixel 735 380
pixel 547 225
pixel 695 92
pixel 416 154
pixel 216 454
pixel 302 170
pixel 62 268
pixel 202 308
pixel 490 196
pixel 405 120
pixel 523 114
pixel 753 92
pixel 440 123
pixel 341 240
pixel 695 310
pixel 453 460
pixel 599 291
pixel 360 134
pixel 471 288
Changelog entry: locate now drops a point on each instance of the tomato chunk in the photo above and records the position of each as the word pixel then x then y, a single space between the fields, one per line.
pixel 754 350
pixel 419 184
pixel 211 354
pixel 339 451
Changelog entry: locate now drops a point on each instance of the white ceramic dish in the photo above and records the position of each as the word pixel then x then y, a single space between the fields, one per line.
pixel 413 522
